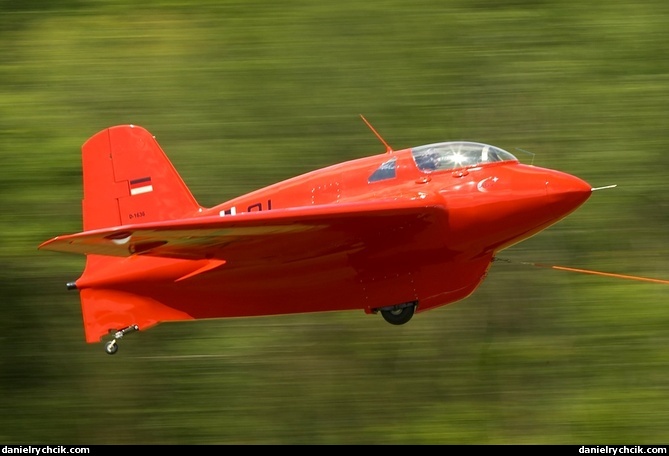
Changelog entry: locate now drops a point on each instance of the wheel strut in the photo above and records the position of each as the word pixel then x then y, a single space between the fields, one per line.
pixel 111 346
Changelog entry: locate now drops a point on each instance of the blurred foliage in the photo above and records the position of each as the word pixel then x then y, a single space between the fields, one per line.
pixel 244 93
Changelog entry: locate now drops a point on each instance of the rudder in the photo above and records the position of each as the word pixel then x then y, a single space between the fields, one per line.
pixel 127 178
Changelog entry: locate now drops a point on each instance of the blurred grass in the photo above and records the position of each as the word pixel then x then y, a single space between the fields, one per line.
pixel 242 94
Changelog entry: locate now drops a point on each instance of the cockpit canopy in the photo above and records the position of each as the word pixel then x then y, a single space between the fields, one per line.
pixel 457 154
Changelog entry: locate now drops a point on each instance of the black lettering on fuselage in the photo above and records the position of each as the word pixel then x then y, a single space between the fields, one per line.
pixel 259 207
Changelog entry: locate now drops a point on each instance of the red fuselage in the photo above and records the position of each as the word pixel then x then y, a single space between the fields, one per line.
pixel 396 233
pixel 435 260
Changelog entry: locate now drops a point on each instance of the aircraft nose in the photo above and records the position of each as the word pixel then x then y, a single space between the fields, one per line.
pixel 517 203
pixel 566 192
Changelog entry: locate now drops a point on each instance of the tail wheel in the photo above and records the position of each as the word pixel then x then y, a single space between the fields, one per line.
pixel 399 315
pixel 111 347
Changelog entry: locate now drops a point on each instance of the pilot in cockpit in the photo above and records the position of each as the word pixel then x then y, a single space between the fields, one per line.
pixel 429 161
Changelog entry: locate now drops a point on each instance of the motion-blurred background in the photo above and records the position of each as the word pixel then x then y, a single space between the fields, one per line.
pixel 241 94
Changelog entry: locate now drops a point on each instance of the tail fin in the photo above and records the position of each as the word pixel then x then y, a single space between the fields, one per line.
pixel 129 179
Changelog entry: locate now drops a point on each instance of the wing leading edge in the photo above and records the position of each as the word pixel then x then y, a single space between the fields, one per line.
pixel 275 235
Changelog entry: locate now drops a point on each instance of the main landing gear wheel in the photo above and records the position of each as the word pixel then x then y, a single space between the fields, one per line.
pixel 399 315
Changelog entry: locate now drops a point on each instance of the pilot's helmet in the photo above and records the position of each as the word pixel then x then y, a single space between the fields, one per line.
pixel 433 158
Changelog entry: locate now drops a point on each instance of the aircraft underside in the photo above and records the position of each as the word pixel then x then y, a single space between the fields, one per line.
pixel 396 288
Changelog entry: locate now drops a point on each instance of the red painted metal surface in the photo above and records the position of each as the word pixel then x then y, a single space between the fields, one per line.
pixel 367 234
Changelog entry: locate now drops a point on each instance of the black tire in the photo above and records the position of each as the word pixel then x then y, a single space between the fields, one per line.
pixel 111 347
pixel 398 316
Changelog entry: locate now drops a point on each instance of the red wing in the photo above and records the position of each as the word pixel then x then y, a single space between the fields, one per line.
pixel 278 235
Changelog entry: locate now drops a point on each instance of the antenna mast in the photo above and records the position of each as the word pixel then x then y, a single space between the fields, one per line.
pixel 388 148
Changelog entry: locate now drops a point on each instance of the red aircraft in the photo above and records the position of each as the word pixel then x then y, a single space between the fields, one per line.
pixel 397 233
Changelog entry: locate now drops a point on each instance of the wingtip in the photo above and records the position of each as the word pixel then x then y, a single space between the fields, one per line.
pixel 44 244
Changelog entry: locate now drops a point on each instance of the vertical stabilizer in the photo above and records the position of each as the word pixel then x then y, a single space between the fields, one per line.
pixel 129 179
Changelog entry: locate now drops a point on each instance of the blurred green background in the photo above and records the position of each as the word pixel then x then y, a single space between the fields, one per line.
pixel 241 94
